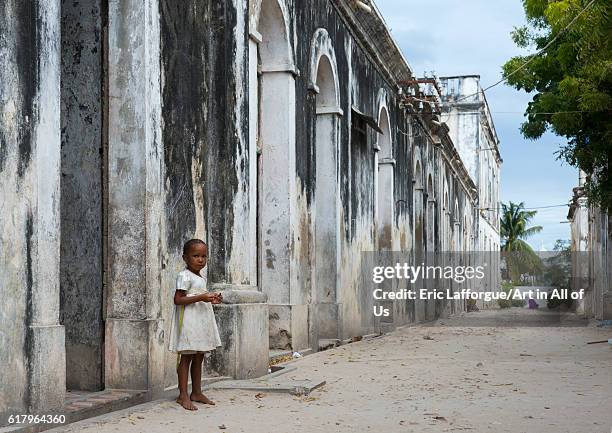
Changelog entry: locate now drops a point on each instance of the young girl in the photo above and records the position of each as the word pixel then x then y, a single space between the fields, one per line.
pixel 194 330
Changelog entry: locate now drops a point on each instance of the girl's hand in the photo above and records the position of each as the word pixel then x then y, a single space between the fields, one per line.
pixel 207 297
pixel 218 298
pixel 213 298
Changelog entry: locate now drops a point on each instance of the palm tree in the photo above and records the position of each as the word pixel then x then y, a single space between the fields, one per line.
pixel 514 230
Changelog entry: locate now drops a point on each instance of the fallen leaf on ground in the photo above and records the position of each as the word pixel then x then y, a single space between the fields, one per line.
pixel 260 395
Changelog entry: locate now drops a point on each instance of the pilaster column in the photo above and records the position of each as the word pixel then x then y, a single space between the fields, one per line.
pixel 44 343
pixel 134 333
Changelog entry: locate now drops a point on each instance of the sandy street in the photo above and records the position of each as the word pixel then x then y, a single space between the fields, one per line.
pixel 511 371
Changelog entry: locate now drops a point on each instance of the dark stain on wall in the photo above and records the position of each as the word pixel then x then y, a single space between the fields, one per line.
pixel 28 344
pixel 223 135
pixel 184 27
pixel 28 43
pixel 198 102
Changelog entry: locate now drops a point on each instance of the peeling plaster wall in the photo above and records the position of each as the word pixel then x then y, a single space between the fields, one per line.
pixel 360 84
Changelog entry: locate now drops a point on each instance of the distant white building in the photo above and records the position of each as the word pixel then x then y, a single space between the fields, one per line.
pixel 467 114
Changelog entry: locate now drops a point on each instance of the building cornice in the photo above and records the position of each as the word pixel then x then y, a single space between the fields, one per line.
pixel 371 32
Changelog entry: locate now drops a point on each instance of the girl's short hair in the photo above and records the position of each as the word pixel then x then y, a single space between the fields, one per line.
pixel 191 243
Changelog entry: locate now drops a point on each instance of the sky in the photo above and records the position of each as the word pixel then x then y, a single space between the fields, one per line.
pixel 453 37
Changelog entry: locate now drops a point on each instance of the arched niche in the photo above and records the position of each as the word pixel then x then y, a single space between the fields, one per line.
pixel 272 148
pixel 272 35
pixel 430 235
pixel 324 73
pixel 455 247
pixel 384 182
pixel 419 247
pixel 446 230
pixel 324 82
pixel 466 231
pixel 445 235
pixel 431 213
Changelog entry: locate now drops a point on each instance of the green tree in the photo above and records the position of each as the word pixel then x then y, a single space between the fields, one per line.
pixel 514 230
pixel 570 76
pixel 558 271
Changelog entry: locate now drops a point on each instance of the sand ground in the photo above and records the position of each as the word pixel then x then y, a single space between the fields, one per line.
pixel 493 371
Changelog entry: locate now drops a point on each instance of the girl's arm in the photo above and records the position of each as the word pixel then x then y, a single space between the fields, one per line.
pixel 181 298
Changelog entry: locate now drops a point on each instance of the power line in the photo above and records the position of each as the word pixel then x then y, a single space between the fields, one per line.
pixel 547 207
pixel 532 56
pixel 522 112
pixel 529 208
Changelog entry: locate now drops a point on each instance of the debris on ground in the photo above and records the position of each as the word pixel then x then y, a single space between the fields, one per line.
pixel 280 359
pixel 609 341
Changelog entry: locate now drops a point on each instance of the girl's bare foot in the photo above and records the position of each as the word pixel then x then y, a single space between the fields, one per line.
pixel 201 398
pixel 186 403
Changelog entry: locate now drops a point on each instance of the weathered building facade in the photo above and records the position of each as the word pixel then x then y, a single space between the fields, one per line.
pixel 285 133
pixel 591 247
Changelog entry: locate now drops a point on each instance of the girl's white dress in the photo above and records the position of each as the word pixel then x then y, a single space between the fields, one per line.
pixel 197 331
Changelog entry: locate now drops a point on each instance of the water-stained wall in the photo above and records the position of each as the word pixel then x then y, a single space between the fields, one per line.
pixel 210 133
pixel 361 85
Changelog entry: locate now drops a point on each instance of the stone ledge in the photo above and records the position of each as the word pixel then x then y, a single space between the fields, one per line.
pixel 231 295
